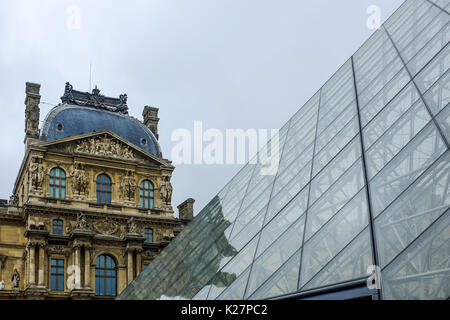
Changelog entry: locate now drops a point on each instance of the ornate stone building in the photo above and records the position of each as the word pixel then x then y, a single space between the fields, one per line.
pixel 91 205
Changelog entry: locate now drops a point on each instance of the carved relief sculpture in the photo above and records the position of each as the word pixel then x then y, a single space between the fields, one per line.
pixel 80 180
pixel 128 186
pixel 105 146
pixel 106 227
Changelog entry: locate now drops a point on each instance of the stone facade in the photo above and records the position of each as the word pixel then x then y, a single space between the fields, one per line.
pixel 90 229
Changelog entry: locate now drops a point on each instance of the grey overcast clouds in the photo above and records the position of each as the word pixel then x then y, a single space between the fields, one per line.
pixel 230 63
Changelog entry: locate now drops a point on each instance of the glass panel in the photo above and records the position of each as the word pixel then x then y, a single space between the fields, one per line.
pixel 288 193
pixel 61 283
pixel 236 290
pixel 406 16
pixel 398 106
pixel 319 216
pixel 421 33
pixel 202 294
pixel 389 92
pixel 296 165
pixel 379 64
pixel 283 281
pixel 433 71
pixel 419 206
pixel 336 126
pixel 335 145
pixel 335 110
pixel 331 239
pixel 439 95
pixel 53 280
pixel 335 169
pixel 247 233
pixel 398 136
pixel 282 221
pixel 233 269
pixel 251 211
pixel 350 264
pixel 371 91
pixel 443 120
pixel 429 51
pixel 443 4
pixel 414 159
pixel 422 270
pixel 276 255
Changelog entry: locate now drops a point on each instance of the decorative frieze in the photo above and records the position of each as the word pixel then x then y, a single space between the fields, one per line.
pixel 105 146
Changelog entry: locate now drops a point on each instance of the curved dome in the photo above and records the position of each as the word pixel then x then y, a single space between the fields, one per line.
pixel 67 120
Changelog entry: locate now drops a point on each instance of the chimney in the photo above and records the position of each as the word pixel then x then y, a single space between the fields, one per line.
pixel 32 111
pixel 151 119
pixel 186 210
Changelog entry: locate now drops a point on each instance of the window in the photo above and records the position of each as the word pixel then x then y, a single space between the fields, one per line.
pixel 58 227
pixel 148 235
pixel 57 183
pixel 105 276
pixel 57 274
pixel 146 264
pixel 147 194
pixel 103 189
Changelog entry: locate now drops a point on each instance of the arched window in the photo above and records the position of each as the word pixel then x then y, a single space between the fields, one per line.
pixel 103 189
pixel 58 227
pixel 57 183
pixel 105 276
pixel 148 235
pixel 147 194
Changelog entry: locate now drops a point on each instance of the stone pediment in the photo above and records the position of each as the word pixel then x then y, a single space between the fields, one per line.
pixel 104 144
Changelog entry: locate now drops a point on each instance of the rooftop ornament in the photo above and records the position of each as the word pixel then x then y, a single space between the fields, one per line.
pixel 94 99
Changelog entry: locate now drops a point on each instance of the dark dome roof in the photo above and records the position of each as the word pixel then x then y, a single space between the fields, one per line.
pixel 67 120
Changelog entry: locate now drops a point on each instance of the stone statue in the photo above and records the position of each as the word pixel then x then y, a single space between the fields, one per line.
pixel 132 226
pixel 82 222
pixel 165 191
pixel 2 285
pixel 128 186
pixel 15 279
pixel 80 180
pixel 36 173
pixel 14 201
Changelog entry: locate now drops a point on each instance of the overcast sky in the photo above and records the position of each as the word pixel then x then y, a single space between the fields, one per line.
pixel 229 63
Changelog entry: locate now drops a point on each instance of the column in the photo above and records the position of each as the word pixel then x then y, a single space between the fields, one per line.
pixel 87 268
pixel 77 268
pixel 41 281
pixel 32 266
pixel 130 266
pixel 138 262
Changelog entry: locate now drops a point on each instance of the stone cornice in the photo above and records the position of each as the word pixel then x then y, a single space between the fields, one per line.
pixel 38 209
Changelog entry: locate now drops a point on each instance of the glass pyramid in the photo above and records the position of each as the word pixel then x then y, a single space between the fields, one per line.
pixel 363 180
